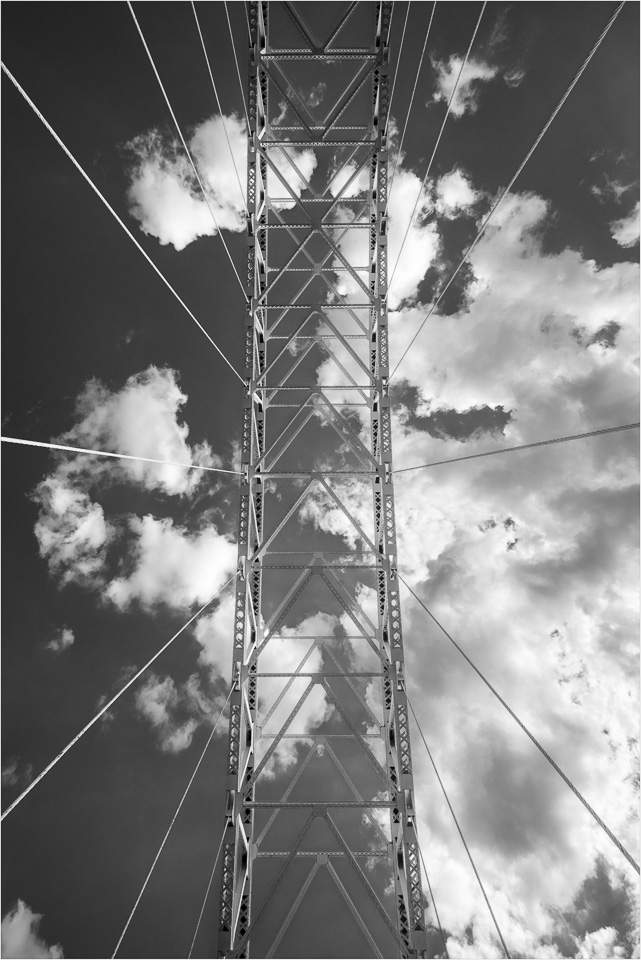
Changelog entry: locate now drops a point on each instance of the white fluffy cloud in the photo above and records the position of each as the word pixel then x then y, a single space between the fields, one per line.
pixel 176 711
pixel 454 194
pixel 20 938
pixel 172 566
pixel 163 563
pixel 61 641
pixel 626 230
pixel 164 194
pixel 528 560
pixel 141 419
pixel 475 73
pixel 72 532
pixel 422 245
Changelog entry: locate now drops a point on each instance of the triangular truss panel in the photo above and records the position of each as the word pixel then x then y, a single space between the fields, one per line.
pixel 320 855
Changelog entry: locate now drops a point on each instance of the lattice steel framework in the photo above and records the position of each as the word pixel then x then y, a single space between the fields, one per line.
pixel 317 615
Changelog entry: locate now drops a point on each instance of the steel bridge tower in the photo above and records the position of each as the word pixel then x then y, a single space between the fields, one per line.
pixel 320 844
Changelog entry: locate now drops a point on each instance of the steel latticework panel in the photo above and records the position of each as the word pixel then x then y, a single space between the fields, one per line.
pixel 320 845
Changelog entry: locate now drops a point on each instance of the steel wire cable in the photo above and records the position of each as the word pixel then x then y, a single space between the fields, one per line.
pixel 186 148
pixel 206 897
pixel 116 216
pixel 536 743
pixel 169 828
pixel 433 902
pixel 111 702
pixel 240 81
pixel 249 29
pixel 458 827
pixel 220 109
pixel 119 456
pixel 398 62
pixel 409 109
pixel 523 446
pixel 438 139
pixel 507 190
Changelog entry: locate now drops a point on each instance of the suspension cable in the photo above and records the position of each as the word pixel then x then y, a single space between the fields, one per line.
pixel 536 743
pixel 429 887
pixel 120 456
pixel 220 109
pixel 169 828
pixel 249 29
pixel 186 148
pixel 458 827
pixel 409 109
pixel 115 215
pixel 523 446
pixel 398 61
pixel 211 880
pixel 240 81
pixel 507 190
pixel 111 702
pixel 438 139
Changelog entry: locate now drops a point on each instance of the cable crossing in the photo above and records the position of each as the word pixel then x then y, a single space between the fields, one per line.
pixel 536 743
pixel 438 139
pixel 429 887
pixel 398 60
pixel 522 446
pixel 220 109
pixel 411 103
pixel 111 702
pixel 507 190
pixel 206 897
pixel 111 210
pixel 458 827
pixel 120 456
pixel 169 828
pixel 240 82
pixel 187 150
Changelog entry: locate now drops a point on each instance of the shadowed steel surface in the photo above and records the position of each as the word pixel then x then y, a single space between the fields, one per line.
pixel 319 763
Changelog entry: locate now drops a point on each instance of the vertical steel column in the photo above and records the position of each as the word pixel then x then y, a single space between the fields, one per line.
pixel 405 852
pixel 276 345
pixel 236 878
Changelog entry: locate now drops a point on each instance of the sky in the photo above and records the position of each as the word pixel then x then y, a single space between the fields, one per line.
pixel 529 560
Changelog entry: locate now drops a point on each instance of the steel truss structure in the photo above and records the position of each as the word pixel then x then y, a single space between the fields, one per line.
pixel 318 700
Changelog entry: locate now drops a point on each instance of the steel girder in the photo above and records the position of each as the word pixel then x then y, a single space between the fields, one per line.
pixel 317 294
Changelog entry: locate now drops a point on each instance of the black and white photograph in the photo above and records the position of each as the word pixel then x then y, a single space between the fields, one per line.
pixel 320 469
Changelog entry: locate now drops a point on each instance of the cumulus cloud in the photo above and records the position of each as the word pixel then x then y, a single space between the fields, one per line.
pixel 175 711
pixel 172 566
pixel 530 561
pixel 75 535
pixel 141 419
pixel 20 935
pixel 626 230
pixel 62 640
pixel 454 194
pixel 475 73
pixel 164 194
pixel 72 532
pixel 525 565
